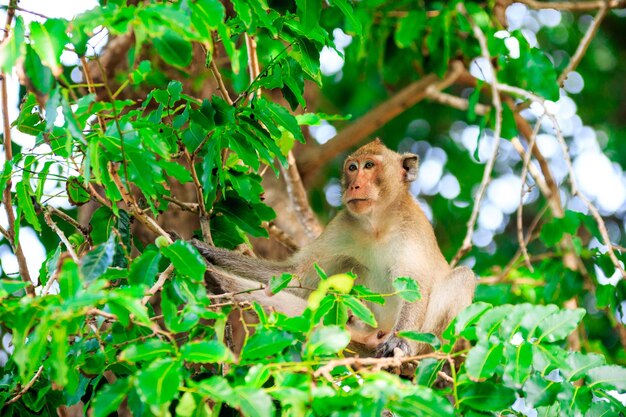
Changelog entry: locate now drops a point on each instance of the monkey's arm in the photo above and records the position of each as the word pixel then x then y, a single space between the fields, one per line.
pixel 445 301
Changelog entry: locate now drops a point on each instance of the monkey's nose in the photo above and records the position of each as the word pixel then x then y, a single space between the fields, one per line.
pixel 381 334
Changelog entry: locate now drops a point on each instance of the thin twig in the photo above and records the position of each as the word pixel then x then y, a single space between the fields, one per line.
pixel 281 236
pixel 191 207
pixel 205 224
pixel 584 43
pixel 376 363
pixel 497 105
pixel 134 210
pixel 220 82
pixel 455 101
pixel 59 232
pixel 91 88
pixel 26 387
pixel 82 229
pixel 8 156
pixel 165 275
pixel 576 192
pixel 520 208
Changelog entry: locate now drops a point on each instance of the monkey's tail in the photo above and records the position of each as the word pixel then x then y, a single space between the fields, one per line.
pixel 219 281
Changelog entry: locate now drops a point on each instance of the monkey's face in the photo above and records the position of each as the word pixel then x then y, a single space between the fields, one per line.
pixel 362 177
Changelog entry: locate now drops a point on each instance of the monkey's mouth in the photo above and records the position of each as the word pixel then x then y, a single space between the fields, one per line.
pixel 357 200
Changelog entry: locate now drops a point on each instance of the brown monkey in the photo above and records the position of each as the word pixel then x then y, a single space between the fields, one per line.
pixel 381 235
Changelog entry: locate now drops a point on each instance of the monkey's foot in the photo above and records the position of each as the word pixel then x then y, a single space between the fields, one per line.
pixel 386 349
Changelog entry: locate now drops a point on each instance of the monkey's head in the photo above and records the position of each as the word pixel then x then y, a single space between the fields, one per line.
pixel 374 176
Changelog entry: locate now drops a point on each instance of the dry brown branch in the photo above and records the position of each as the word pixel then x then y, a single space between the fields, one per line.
pixel 574 6
pixel 299 199
pixel 98 312
pixel 165 275
pixel 295 188
pixel 8 156
pixel 576 192
pixel 584 43
pixel 376 363
pixel 497 105
pixel 191 207
pixel 520 208
pixel 281 236
pixel 26 387
pixel 530 234
pixel 60 214
pixel 92 89
pixel 220 82
pixel 455 101
pixel 61 235
pixel 373 120
pixel 205 224
pixel 134 210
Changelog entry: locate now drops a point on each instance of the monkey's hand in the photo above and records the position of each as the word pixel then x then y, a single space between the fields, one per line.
pixel 387 348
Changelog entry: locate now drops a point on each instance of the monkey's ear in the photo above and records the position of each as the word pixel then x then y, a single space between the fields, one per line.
pixel 410 162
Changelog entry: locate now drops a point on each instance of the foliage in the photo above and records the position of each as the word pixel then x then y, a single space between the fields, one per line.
pixel 93 337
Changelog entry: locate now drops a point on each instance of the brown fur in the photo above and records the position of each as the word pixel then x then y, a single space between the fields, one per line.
pixel 382 234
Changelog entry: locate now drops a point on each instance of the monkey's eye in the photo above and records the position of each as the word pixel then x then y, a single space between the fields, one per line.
pixel 369 165
pixel 352 167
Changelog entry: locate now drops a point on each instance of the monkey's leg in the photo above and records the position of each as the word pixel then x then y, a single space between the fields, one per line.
pixel 448 298
pixel 445 300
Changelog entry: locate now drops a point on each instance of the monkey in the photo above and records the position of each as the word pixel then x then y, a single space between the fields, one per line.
pixel 381 234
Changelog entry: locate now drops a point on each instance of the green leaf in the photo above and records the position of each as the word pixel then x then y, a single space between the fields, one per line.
pixel 96 262
pixel 407 288
pixel 48 40
pixel 76 193
pixel 13 48
pixel 559 325
pixel 539 391
pixel 360 310
pixel 144 268
pixel 483 359
pixel 427 371
pixel 265 343
pixel 254 402
pixel 429 338
pixel 146 351
pixel 158 384
pixel 206 16
pixel 23 192
pixel 69 279
pixel 309 12
pixel 466 318
pixel 608 376
pixel 206 352
pixel 486 396
pixel 186 259
pixel 366 294
pixel 174 49
pixel 43 81
pixel 346 9
pixel 579 363
pixel 327 340
pixel 410 28
pixel 109 398
pixel 518 363
pixel 278 284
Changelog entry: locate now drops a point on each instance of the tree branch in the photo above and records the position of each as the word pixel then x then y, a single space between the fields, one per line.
pixel 584 43
pixel 373 120
pixel 574 6
pixel 497 105
pixel 8 156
